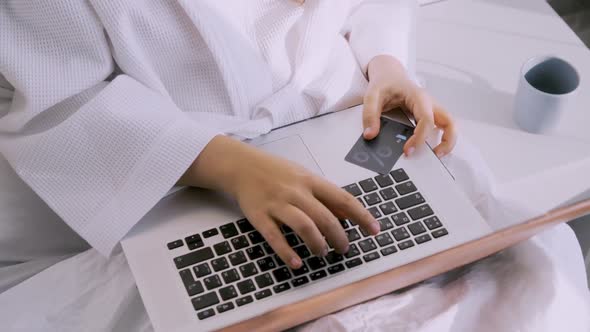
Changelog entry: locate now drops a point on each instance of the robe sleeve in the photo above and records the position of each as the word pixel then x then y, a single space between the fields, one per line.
pixel 383 27
pixel 101 150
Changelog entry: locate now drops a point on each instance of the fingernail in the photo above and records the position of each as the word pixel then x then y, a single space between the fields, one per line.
pixel 324 252
pixel 295 262
pixel 440 154
pixel 411 150
pixel 375 227
pixel 367 131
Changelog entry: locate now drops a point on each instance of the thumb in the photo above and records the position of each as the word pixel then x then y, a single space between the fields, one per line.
pixel 372 107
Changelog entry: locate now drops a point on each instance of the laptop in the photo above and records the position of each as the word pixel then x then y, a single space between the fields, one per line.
pixel 200 265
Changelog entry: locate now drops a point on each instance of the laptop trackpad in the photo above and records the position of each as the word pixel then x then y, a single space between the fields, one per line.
pixel 294 149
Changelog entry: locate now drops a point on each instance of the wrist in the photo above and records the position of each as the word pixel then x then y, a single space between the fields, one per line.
pixel 386 65
pixel 218 165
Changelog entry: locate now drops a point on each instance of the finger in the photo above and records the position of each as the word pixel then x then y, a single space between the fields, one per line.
pixel 449 137
pixel 304 227
pixel 345 205
pixel 325 220
pixel 372 107
pixel 272 234
pixel 421 107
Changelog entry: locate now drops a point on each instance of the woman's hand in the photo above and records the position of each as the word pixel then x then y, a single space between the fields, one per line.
pixel 272 191
pixel 390 87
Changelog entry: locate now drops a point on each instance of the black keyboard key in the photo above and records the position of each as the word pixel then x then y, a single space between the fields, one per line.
pixel 225 307
pixel 264 280
pixel 194 241
pixel 300 281
pixel 375 212
pixel 282 274
pixel 352 234
pixel 192 286
pixel 316 263
pixel 265 264
pixel 205 300
pixel 302 251
pixel 399 175
pixel 228 230
pixel 353 262
pixel 344 223
pixel 193 258
pixel 353 251
pixel 388 208
pixel 400 233
pixel 212 282
pixel 353 189
pixel 388 251
pixel 334 257
pixel 384 180
pixel 219 264
pixel 372 199
pixel 202 270
pixel 335 268
pixel 255 237
pixel 384 239
pixel 240 242
pixel 439 232
pixel 244 300
pixel 292 239
pixel 262 294
pixel 300 271
pixel 422 238
pixel 279 261
pixel 405 188
pixel 281 288
pixel 255 252
pixel 175 244
pixel 246 286
pixel 244 225
pixel 409 201
pixel 222 248
pixel 416 228
pixel 368 185
pixel 230 276
pixel 367 245
pixel 406 244
pixel 237 258
pixel 385 224
pixel 248 270
pixel 286 229
pixel 400 219
pixel 388 193
pixel 228 292
pixel 420 212
pixel 268 248
pixel 432 223
pixel 206 314
pixel 371 257
pixel 318 275
pixel 210 232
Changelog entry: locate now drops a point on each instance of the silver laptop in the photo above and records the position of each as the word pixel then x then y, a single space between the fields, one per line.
pixel 200 266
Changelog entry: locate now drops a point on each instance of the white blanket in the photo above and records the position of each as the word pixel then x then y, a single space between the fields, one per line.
pixel 539 285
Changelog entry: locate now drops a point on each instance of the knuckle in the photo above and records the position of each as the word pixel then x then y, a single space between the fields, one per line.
pixel 306 228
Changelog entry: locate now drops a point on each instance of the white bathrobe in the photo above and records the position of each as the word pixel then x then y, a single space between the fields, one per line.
pixel 105 103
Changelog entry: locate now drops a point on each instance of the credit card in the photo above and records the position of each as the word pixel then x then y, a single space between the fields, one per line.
pixel 381 153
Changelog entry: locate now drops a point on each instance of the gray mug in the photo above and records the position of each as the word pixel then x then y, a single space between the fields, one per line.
pixel 547 85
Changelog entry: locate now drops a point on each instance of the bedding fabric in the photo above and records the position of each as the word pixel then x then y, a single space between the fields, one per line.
pixel 539 285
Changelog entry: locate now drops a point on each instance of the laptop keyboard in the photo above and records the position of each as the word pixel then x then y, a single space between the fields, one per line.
pixel 244 269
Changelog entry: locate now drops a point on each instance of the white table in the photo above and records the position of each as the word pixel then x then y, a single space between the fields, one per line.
pixel 469 56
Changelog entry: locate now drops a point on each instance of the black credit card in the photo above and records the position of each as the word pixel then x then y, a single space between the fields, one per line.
pixel 381 153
